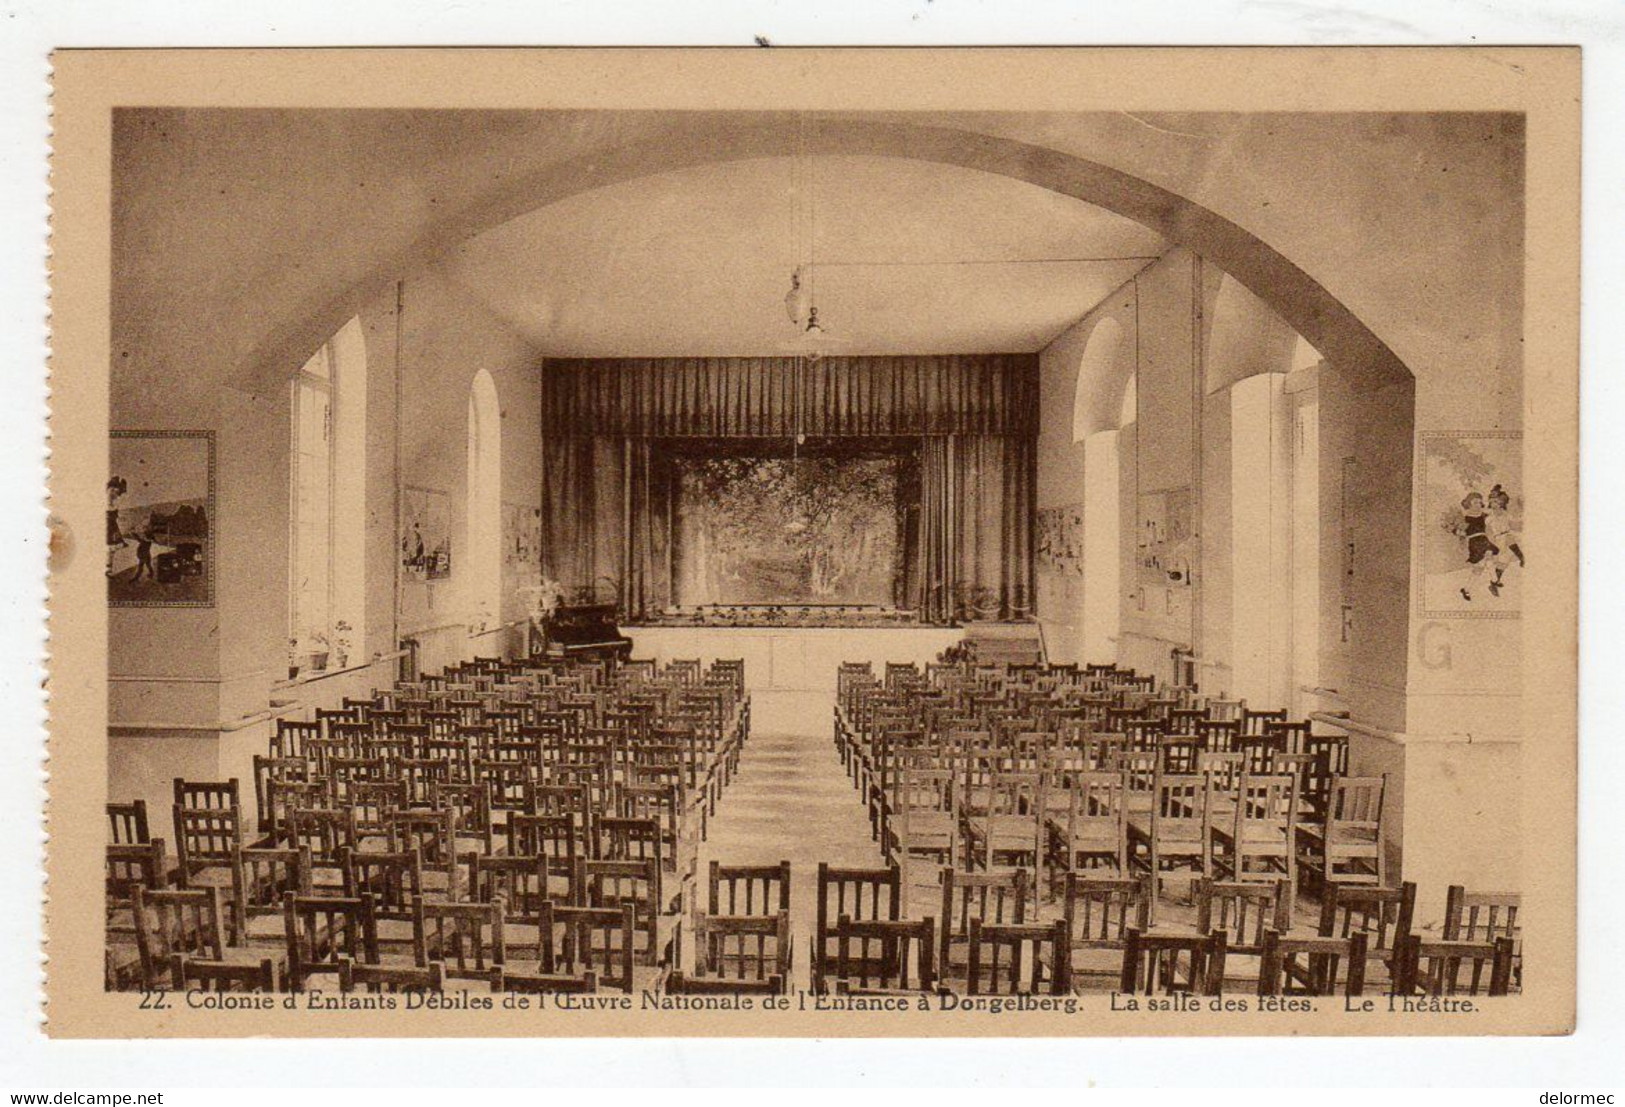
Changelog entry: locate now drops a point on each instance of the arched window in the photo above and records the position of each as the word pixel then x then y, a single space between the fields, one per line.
pixel 328 495
pixel 1094 369
pixel 484 574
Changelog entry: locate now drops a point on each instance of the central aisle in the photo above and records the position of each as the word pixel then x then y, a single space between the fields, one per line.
pixel 791 801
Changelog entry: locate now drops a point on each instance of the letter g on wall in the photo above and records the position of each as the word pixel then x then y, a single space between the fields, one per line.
pixel 1433 645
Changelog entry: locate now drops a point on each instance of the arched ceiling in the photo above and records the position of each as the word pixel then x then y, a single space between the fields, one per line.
pixel 909 257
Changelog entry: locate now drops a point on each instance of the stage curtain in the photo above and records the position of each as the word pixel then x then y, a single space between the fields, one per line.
pixel 606 522
pixel 970 394
pixel 970 555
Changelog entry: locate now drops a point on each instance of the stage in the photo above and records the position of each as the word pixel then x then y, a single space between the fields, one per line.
pixel 793 659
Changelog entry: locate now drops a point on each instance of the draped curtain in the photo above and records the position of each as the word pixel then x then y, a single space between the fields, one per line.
pixel 970 556
pixel 607 481
pixel 727 397
pixel 606 521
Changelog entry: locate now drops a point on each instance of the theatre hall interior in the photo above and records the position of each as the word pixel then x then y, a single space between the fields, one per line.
pixel 868 555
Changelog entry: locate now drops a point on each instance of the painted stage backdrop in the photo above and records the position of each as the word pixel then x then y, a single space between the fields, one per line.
pixel 770 530
pixel 1470 519
pixel 160 519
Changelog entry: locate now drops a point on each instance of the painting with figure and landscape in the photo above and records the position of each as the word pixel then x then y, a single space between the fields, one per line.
pixel 1470 523
pixel 160 518
pixel 425 534
pixel 755 530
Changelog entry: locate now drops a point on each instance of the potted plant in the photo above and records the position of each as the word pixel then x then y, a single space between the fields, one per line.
pixel 316 652
pixel 342 644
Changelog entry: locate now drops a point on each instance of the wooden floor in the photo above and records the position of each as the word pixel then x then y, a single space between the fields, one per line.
pixel 792 802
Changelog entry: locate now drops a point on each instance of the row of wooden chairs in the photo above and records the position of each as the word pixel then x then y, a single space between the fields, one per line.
pixel 370 842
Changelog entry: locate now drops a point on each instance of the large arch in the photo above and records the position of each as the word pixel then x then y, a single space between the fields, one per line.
pixel 687 141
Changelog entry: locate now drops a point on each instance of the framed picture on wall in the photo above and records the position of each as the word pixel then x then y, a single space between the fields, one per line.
pixel 1470 524
pixel 160 519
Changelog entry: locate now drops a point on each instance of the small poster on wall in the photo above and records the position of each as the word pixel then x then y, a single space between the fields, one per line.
pixel 160 519
pixel 1060 538
pixel 521 539
pixel 1163 539
pixel 425 533
pixel 1470 524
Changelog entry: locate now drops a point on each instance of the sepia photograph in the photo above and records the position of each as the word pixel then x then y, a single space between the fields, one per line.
pixel 815 543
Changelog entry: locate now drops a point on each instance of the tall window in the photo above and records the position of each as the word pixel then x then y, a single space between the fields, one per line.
pixel 326 604
pixel 484 576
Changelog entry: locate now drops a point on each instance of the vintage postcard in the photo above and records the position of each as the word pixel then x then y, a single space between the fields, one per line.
pixel 1041 542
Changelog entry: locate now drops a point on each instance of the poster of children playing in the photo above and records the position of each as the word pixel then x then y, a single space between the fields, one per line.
pixel 160 517
pixel 1470 519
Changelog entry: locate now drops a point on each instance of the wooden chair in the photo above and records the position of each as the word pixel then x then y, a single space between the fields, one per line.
pixel 1253 722
pixel 261 878
pixel 291 737
pixel 173 922
pixel 1310 966
pixel 1435 968
pixel 127 824
pixel 926 821
pixel 681 984
pixel 1099 911
pixel 1010 831
pixel 595 940
pixel 391 978
pixel 434 835
pixel 392 882
pixel 1177 752
pixel 638 883
pixel 1245 911
pixel 742 948
pixel 280 782
pixel 219 795
pixel 1485 917
pixel 994 898
pixel 748 889
pixel 551 838
pixel 1176 841
pixel 321 930
pixel 1259 752
pixel 1383 915
pixel 1348 848
pixel 521 884
pixel 507 980
pixel 1218 735
pixel 1035 959
pixel 1259 843
pixel 859 894
pixel 1164 964
pixel 622 839
pixel 466 939
pixel 882 957
pixel 1095 832
pixel 187 974
pixel 129 867
pixel 206 840
pixel 328 833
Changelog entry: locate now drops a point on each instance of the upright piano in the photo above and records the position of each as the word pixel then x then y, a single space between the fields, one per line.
pixel 586 630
